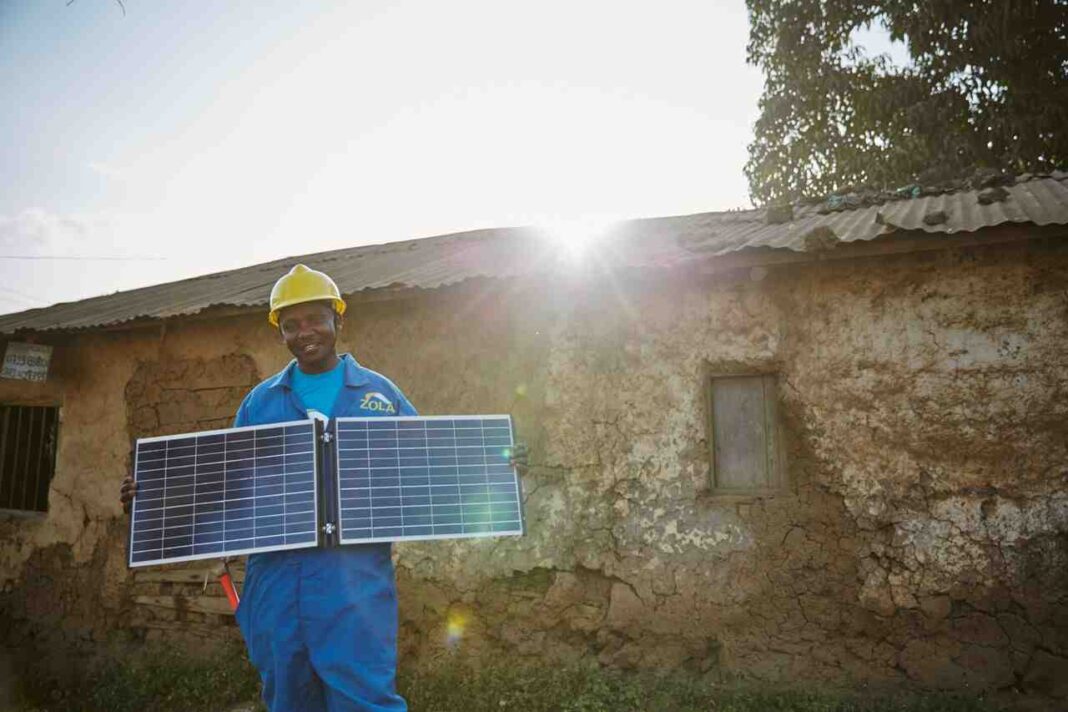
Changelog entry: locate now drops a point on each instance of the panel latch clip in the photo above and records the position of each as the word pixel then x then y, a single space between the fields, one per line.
pixel 328 528
pixel 327 437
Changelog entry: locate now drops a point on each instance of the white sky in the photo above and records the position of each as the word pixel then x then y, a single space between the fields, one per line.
pixel 210 136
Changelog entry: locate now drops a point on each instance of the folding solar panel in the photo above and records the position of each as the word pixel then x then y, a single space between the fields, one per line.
pixel 432 477
pixel 323 483
pixel 225 492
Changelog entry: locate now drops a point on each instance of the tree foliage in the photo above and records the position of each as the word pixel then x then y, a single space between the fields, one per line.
pixel 986 88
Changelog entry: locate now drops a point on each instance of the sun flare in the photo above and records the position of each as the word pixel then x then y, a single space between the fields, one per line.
pixel 574 239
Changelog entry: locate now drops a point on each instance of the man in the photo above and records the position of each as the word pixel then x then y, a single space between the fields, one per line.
pixel 320 624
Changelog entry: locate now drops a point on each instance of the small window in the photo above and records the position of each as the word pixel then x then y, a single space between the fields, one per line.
pixel 27 456
pixel 746 440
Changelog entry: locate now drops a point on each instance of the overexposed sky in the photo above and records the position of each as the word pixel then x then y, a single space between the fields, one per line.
pixel 208 136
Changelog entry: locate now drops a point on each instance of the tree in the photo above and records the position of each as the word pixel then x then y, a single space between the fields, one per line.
pixel 986 88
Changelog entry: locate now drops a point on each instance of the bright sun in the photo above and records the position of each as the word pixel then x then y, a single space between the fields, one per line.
pixel 573 239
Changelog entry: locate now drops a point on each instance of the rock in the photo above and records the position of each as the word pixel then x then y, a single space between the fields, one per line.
pixel 627 658
pixel 936 217
pixel 586 618
pixel 930 663
pixel 779 214
pixel 988 668
pixel 624 607
pixel 566 590
pixel 980 629
pixel 7 679
pixel 1047 674
pixel 936 607
pixel 820 239
pixel 1022 634
pixel 992 195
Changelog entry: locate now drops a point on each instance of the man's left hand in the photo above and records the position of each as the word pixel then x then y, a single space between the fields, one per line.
pixel 519 458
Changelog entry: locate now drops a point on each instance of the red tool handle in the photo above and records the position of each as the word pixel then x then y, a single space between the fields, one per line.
pixel 231 592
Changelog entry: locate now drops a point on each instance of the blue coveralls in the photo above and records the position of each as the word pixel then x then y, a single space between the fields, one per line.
pixel 321 624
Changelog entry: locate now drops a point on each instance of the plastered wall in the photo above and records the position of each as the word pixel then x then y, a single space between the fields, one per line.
pixel 923 539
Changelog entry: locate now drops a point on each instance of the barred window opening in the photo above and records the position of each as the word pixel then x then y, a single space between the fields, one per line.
pixel 28 436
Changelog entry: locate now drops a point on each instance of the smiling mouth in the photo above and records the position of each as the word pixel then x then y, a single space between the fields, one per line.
pixel 308 348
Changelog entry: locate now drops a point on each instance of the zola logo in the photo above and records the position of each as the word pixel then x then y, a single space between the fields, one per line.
pixel 378 403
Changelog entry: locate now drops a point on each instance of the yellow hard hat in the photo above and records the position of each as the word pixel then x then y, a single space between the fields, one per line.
pixel 300 285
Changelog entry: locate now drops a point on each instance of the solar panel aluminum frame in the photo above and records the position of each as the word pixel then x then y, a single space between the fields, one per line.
pixel 317 434
pixel 336 461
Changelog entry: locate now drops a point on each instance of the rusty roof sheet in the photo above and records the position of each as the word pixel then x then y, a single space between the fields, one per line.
pixel 504 253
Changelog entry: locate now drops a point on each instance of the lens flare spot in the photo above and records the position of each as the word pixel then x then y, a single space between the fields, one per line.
pixel 454 630
pixel 521 390
pixel 507 453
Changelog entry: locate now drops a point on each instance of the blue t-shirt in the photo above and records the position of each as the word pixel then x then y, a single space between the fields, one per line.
pixel 319 391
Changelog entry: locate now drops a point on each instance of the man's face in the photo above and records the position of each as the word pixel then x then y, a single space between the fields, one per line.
pixel 310 332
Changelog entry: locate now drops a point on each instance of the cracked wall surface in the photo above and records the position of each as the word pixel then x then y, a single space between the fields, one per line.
pixel 923 538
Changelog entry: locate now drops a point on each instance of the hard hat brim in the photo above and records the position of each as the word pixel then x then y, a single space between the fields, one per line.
pixel 339 306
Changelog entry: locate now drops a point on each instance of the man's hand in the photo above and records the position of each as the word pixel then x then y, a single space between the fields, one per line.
pixel 127 492
pixel 519 458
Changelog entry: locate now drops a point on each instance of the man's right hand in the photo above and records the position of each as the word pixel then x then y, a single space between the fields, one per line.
pixel 127 493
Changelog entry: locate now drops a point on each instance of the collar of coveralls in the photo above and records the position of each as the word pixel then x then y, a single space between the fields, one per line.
pixel 354 376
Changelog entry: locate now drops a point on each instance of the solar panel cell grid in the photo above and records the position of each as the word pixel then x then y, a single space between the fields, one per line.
pixel 426 478
pixel 226 492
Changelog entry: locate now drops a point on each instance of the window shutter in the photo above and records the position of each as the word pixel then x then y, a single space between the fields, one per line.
pixel 746 443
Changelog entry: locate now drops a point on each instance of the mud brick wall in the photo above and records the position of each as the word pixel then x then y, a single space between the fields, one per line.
pixel 923 540
pixel 68 608
pixel 188 395
pixel 182 396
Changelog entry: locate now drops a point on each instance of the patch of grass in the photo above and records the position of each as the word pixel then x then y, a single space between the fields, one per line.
pixel 579 688
pixel 156 679
pixel 161 680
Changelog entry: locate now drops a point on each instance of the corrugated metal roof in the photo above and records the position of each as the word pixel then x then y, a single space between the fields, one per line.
pixel 504 253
